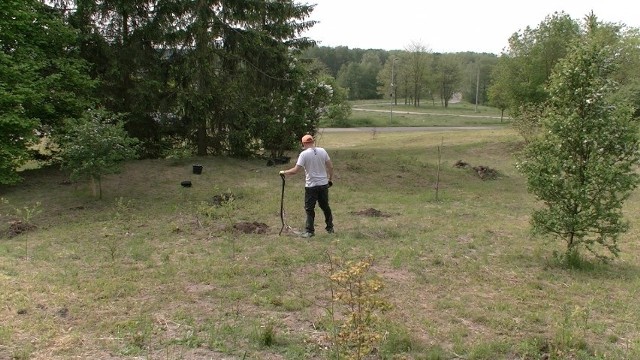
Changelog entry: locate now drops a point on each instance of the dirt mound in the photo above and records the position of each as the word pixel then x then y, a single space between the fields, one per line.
pixel 221 199
pixel 485 172
pixel 18 227
pixel 251 227
pixel 371 212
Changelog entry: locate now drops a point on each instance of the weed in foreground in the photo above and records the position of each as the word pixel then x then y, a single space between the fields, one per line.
pixel 355 308
pixel 134 335
pixel 573 260
pixel 265 335
pixel 568 342
pixel 571 332
pixel 23 221
pixel 399 340
pixel 121 215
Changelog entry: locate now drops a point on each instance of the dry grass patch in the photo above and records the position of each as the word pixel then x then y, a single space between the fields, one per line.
pixel 155 270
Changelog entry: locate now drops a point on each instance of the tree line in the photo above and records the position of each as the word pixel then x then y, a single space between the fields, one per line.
pixel 408 76
pixel 207 77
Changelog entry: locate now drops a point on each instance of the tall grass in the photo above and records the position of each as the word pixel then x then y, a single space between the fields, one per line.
pixel 152 272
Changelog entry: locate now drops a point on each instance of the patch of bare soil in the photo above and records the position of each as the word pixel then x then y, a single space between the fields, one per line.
pixel 371 212
pixel 193 354
pixel 18 227
pixel 483 172
pixel 221 199
pixel 251 227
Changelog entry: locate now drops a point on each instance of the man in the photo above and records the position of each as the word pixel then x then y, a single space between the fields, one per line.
pixel 318 171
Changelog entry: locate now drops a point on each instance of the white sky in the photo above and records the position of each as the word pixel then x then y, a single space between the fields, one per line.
pixel 448 26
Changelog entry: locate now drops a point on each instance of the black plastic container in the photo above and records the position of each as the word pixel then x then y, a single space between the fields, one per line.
pixel 197 169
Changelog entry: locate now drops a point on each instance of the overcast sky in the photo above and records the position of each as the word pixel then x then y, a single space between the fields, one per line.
pixel 448 26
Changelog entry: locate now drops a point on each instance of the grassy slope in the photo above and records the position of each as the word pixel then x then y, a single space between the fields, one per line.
pixel 378 113
pixel 152 270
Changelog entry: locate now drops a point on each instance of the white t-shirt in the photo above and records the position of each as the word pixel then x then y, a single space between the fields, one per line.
pixel 313 160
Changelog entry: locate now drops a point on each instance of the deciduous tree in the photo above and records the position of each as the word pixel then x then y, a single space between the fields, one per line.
pixel 416 64
pixel 583 165
pixel 42 80
pixel 447 76
pixel 523 70
pixel 96 145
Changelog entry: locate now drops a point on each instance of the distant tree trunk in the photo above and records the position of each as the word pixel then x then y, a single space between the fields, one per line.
pixel 201 137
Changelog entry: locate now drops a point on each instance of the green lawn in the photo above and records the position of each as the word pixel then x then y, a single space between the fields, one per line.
pixel 381 113
pixel 157 271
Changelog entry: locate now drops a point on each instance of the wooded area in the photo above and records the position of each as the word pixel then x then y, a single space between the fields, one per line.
pixel 237 78
pixel 215 77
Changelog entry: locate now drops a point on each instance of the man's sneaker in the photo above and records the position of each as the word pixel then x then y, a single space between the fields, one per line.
pixel 306 234
pixel 330 230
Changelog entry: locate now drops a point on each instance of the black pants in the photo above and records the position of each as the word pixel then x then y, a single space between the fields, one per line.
pixel 319 194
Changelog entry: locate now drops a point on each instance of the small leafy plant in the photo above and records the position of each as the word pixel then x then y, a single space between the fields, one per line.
pixel 23 220
pixel 97 145
pixel 355 296
pixel 122 215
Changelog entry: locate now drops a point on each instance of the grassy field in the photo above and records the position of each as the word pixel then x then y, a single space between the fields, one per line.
pixel 158 271
pixel 378 113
